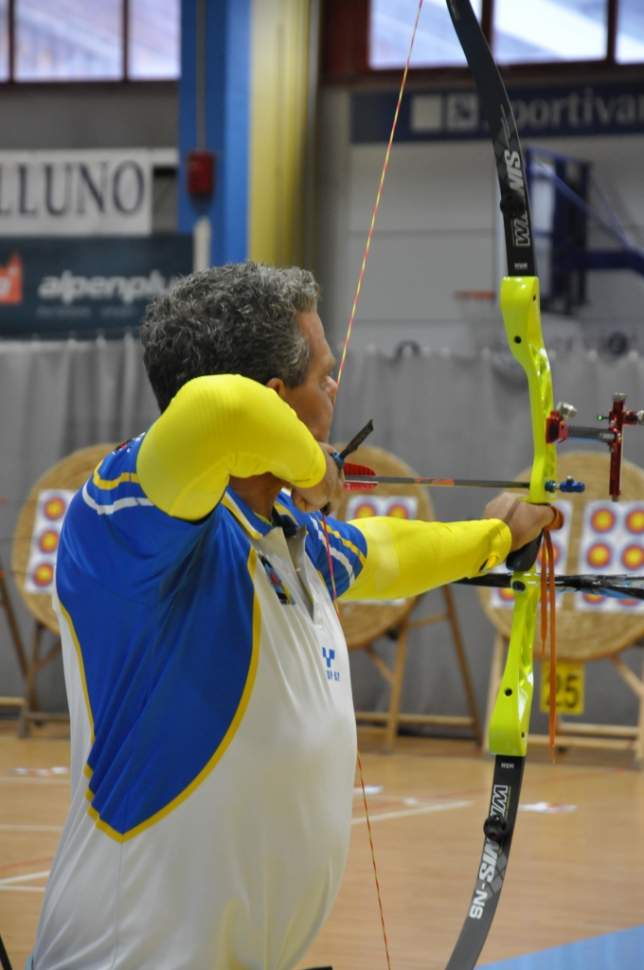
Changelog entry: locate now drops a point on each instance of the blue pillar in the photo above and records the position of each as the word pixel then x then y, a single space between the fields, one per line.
pixel 226 113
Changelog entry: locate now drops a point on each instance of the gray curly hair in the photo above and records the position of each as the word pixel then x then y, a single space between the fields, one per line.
pixel 233 319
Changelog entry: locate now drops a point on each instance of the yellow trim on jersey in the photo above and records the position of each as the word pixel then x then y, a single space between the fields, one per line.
pixel 230 504
pixel 107 483
pixel 223 746
pixel 347 542
pixel 284 510
pixel 81 665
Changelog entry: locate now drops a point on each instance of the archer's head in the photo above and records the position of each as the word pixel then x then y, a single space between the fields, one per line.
pixel 243 318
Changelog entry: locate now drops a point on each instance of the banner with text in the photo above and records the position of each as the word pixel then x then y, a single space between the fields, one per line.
pixel 455 114
pixel 53 286
pixel 76 193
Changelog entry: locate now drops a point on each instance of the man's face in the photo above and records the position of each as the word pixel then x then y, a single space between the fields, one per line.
pixel 314 399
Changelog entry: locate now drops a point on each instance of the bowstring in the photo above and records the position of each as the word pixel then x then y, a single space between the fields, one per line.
pixel 343 358
pixel 376 205
pixel 363 789
pixel 549 625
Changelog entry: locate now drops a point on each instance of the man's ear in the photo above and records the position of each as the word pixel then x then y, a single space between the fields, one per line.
pixel 277 384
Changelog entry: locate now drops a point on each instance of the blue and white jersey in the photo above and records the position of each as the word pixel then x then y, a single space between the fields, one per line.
pixel 213 732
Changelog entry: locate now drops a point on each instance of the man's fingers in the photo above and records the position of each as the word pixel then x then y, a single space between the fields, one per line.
pixel 557 518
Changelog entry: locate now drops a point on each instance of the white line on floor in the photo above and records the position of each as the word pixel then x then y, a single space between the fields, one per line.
pixel 405 812
pixel 29 877
pixel 9 827
pixel 22 889
pixel 30 780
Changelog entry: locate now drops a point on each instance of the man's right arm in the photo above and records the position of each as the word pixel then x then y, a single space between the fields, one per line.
pixel 222 425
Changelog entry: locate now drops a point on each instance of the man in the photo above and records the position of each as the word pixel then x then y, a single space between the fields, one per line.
pixel 212 756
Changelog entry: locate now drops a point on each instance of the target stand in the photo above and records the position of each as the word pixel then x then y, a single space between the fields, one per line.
pixel 365 623
pixel 12 703
pixel 32 561
pixel 585 634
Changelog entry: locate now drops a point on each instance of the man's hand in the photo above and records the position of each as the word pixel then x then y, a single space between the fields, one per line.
pixel 327 492
pixel 524 520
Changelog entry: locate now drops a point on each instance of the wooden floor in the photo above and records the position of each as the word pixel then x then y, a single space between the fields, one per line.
pixel 576 869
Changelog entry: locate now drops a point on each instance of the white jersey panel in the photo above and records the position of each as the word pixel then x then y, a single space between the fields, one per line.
pixel 241 874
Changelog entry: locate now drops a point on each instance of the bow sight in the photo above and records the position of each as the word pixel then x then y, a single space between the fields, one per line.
pixel 557 430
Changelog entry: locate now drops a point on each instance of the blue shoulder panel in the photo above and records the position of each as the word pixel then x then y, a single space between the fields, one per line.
pixel 347 547
pixel 168 647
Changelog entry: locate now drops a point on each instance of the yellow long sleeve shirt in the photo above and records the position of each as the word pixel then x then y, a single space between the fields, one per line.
pixel 209 684
pixel 224 425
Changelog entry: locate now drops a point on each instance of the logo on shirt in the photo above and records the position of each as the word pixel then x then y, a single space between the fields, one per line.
pixel 328 653
pixel 280 589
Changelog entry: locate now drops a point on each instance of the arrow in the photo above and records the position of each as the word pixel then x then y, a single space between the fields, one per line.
pixel 361 478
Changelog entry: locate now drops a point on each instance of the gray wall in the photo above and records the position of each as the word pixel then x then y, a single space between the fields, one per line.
pixel 438 231
pixel 135 115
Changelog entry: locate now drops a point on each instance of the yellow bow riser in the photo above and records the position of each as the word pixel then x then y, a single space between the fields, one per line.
pixel 508 732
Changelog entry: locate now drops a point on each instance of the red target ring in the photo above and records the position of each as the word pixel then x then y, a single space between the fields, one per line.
pixel 48 541
pixel 43 574
pixel 54 508
pixel 398 510
pixel 363 510
pixel 634 521
pixel 603 519
pixel 633 557
pixel 599 555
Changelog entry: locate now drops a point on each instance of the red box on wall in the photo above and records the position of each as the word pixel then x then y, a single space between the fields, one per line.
pixel 200 173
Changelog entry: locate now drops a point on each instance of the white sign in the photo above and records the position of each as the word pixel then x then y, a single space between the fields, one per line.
pixel 76 193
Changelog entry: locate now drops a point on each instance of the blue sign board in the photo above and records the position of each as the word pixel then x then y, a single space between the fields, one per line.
pixel 53 285
pixel 455 115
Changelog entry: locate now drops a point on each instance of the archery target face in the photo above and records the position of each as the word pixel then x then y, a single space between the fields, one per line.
pixel 612 541
pixel 50 511
pixel 501 598
pixel 397 506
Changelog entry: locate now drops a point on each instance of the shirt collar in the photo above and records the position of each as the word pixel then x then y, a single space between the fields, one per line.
pixel 283 515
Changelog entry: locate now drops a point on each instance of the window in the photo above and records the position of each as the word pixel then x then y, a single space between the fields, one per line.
pixel 436 44
pixel 153 38
pixel 549 30
pixel 630 32
pixel 600 33
pixel 4 41
pixel 67 40
pixel 74 40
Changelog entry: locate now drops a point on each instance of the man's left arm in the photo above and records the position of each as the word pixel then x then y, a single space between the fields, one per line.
pixel 406 558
